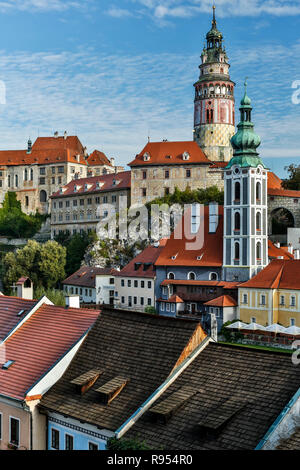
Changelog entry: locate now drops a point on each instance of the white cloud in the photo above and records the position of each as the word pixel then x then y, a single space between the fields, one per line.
pixel 114 101
pixel 41 5
pixel 225 8
pixel 116 12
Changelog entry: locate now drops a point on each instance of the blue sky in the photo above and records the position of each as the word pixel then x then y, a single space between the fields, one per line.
pixel 115 71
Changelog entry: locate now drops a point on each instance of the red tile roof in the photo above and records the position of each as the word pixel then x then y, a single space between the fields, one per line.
pixel 46 150
pixel 147 257
pixel 187 282
pixel 9 309
pixel 160 153
pixel 98 158
pixel 222 301
pixel 86 276
pixel 218 164
pixel 211 253
pixel 275 252
pixel 275 187
pixel 39 343
pixel 279 274
pixel 123 181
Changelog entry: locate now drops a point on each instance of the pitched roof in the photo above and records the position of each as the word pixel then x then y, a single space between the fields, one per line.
pixel 39 343
pixel 98 158
pixel 279 274
pixel 86 276
pixel 143 264
pixel 188 282
pixel 210 253
pixel 111 182
pixel 222 301
pixel 274 182
pixel 275 252
pixel 174 299
pixel 284 193
pixel 126 344
pixel 10 307
pixel 46 150
pixel 239 394
pixel 170 153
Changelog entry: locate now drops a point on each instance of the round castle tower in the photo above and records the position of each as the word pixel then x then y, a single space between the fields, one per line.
pixel 214 117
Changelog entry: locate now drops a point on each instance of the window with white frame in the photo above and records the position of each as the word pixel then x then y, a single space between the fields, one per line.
pixel 69 442
pixel 213 277
pixel 162 306
pixel 282 300
pixel 191 276
pixel 171 276
pixel 93 446
pixel 263 300
pixel 292 322
pixel 293 301
pixel 173 308
pixel 165 290
pixel 245 298
pixel 167 307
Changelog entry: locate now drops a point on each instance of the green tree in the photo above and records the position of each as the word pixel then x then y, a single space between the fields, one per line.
pixel 150 309
pixel 293 181
pixel 76 246
pixel 57 297
pixel 43 264
pixel 126 444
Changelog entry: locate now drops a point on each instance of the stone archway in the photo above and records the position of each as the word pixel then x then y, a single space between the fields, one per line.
pixel 281 219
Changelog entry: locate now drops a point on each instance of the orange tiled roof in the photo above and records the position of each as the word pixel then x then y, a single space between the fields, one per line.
pixel 210 254
pixel 135 268
pixel 170 153
pixel 222 301
pixel 123 181
pixel 274 252
pixel 274 182
pixel 98 158
pixel 275 187
pixel 46 150
pixel 279 274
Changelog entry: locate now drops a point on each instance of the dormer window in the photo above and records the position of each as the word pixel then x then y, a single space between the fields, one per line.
pixel 75 188
pixel 185 156
pixel 146 157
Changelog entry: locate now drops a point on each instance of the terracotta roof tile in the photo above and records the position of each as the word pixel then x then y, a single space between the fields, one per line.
pixel 279 274
pixel 111 182
pixel 98 158
pixel 143 264
pixel 39 343
pixel 86 276
pixel 170 153
pixel 9 309
pixel 222 301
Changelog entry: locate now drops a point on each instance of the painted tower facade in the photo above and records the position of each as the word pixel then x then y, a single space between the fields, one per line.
pixel 245 206
pixel 214 115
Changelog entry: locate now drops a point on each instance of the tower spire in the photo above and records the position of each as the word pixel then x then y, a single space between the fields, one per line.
pixel 214 22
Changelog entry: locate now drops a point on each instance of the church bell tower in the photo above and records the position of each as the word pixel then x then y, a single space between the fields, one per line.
pixel 214 115
pixel 245 247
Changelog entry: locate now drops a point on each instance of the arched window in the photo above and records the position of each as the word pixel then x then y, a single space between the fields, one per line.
pixel 258 221
pixel 258 191
pixel 191 276
pixel 237 191
pixel 171 276
pixel 236 251
pixel 31 174
pixel 207 115
pixel 211 115
pixel 258 251
pixel 25 174
pixel 26 201
pixel 213 277
pixel 237 221
pixel 43 196
pixel 16 181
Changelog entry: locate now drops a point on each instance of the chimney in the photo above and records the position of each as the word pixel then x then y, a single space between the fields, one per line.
pixel 213 327
pixel 85 152
pixel 290 248
pixel 55 134
pixel 25 288
pixel 277 244
pixel 213 217
pixel 72 301
pixel 78 158
pixel 29 146
pixel 112 161
pixel 65 135
pixel 297 254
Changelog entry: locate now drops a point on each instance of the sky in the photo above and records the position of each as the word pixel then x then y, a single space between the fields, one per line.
pixel 116 72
